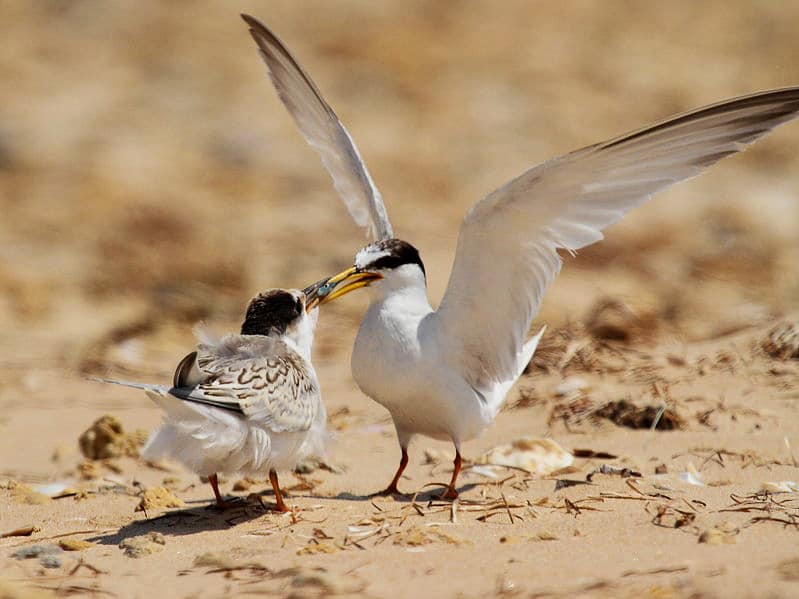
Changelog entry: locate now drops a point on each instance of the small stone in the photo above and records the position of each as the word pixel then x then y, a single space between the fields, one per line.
pixel 661 469
pixel 715 536
pixel 103 439
pixel 74 544
pixel 158 497
pixel 32 551
pixel 143 545
pixel 50 561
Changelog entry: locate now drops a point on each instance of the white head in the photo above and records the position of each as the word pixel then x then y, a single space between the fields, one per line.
pixel 386 266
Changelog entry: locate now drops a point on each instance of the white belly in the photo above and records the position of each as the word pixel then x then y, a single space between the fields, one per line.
pixel 406 376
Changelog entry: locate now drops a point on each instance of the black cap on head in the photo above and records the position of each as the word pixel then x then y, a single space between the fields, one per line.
pixel 272 312
pixel 390 253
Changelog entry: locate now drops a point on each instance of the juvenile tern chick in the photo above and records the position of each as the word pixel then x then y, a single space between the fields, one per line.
pixel 444 372
pixel 246 403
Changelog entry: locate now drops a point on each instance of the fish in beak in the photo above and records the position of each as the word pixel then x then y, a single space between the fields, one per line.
pixel 314 294
pixel 326 290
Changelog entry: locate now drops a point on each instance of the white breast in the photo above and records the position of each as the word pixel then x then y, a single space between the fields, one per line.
pixel 398 368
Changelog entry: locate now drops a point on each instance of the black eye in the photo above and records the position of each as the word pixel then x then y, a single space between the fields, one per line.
pixel 298 305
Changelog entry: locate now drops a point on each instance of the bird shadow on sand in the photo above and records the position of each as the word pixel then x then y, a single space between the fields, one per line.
pixel 186 521
pixel 202 517
pixel 430 492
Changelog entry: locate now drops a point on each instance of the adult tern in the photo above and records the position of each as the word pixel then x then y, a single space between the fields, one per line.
pixel 444 372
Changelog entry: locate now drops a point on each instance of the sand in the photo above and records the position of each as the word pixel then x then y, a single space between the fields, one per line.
pixel 150 180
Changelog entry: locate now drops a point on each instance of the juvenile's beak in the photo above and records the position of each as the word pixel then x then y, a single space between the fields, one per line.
pixel 344 282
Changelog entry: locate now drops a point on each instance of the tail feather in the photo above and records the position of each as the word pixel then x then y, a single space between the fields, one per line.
pixel 158 389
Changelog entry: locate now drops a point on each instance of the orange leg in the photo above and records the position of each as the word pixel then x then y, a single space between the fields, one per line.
pixel 279 505
pixel 392 488
pixel 451 492
pixel 220 503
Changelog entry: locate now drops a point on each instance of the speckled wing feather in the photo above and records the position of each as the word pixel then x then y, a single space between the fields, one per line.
pixel 324 132
pixel 259 377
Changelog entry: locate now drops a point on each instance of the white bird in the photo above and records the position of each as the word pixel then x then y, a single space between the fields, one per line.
pixel 247 403
pixel 444 372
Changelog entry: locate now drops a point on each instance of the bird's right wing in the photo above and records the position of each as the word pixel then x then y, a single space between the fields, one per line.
pixel 508 245
pixel 324 132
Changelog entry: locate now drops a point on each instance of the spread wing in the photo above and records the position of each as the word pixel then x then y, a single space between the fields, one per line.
pixel 324 132
pixel 508 245
pixel 276 389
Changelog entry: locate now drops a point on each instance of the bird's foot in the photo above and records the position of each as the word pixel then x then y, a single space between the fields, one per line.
pixel 390 491
pixel 450 494
pixel 278 506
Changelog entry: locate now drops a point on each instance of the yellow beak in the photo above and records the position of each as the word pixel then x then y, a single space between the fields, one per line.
pixel 344 282
pixel 328 289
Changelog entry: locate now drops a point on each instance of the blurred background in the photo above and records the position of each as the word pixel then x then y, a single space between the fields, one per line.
pixel 150 178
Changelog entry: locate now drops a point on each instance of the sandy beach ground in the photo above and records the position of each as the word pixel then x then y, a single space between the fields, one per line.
pixel 150 180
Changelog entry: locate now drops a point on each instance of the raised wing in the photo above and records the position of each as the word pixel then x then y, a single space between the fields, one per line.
pixel 508 244
pixel 274 388
pixel 324 132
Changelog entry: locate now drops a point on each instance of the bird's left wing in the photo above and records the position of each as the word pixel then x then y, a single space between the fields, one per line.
pixel 324 132
pixel 508 245
pixel 277 390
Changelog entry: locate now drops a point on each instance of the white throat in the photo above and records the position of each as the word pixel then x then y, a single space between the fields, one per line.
pixel 403 287
pixel 300 335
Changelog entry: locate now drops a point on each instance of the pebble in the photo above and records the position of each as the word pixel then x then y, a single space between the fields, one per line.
pixel 50 561
pixel 32 551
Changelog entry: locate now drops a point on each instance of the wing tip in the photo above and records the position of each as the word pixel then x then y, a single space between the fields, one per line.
pixel 250 20
pixel 261 32
pixel 785 98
